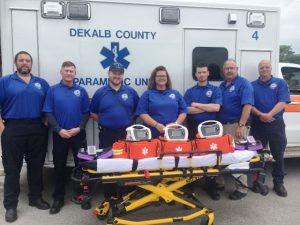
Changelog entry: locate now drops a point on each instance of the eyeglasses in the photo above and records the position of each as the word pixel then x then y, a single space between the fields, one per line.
pixel 161 76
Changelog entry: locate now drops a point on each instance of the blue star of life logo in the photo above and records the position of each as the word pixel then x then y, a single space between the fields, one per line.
pixel 114 54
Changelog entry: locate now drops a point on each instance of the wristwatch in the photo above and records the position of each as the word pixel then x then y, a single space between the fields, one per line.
pixel 241 125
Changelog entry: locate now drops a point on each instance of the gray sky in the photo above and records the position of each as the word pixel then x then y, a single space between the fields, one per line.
pixel 290 18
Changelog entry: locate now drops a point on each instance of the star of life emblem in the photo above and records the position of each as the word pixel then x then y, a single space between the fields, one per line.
pixel 213 146
pixel 178 149
pixel 145 151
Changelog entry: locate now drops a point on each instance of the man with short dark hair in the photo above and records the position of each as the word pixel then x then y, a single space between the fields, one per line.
pixel 271 95
pixel 204 101
pixel 23 133
pixel 67 110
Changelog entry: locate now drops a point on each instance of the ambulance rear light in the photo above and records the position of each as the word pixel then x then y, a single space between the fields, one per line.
pixel 53 10
pixel 256 19
pixel 169 15
pixel 79 11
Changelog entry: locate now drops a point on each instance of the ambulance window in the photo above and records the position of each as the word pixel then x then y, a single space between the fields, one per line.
pixel 292 77
pixel 212 56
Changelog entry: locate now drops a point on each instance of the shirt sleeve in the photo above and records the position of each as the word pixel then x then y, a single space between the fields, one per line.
pixel 187 97
pixel 49 101
pixel 217 96
pixel 85 102
pixel 247 95
pixel 94 106
pixel 283 92
pixel 2 93
pixel 135 99
pixel 143 104
pixel 181 104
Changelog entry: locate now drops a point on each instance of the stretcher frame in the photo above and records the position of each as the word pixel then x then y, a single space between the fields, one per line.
pixel 166 186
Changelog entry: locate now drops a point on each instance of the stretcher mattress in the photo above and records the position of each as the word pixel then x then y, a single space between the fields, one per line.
pixel 169 162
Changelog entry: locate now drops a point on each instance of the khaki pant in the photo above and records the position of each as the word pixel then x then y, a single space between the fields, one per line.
pixel 230 129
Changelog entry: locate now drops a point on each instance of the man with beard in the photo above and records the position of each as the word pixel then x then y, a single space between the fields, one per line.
pixel 23 133
pixel 204 101
pixel 113 107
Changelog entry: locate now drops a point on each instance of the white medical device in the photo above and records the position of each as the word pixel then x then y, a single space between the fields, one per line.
pixel 138 132
pixel 176 132
pixel 210 129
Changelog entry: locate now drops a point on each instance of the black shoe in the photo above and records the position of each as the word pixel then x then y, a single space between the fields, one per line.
pixel 56 206
pixel 220 187
pixel 213 193
pixel 11 215
pixel 280 190
pixel 236 195
pixel 40 204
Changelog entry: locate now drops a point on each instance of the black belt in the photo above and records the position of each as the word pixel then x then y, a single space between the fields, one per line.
pixel 31 120
pixel 110 129
pixel 235 121
pixel 231 122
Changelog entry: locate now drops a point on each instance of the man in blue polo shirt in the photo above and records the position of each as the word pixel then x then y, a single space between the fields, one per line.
pixel 238 99
pixel 204 101
pixel 271 95
pixel 67 110
pixel 23 133
pixel 113 107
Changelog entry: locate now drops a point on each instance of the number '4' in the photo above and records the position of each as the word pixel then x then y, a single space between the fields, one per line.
pixel 255 35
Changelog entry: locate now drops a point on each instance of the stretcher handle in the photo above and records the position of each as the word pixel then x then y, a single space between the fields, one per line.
pixel 243 171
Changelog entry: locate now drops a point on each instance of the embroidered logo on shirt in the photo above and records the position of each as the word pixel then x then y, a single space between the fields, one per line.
pixel 172 96
pixel 124 97
pixel 209 93
pixel 38 85
pixel 232 88
pixel 273 86
pixel 77 93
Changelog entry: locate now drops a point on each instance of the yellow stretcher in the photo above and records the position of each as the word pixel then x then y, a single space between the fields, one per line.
pixel 160 186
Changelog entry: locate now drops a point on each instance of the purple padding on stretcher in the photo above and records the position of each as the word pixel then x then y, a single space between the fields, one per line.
pixel 249 147
pixel 105 155
pixel 85 156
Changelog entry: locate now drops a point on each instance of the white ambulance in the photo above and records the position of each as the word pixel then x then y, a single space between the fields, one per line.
pixel 140 34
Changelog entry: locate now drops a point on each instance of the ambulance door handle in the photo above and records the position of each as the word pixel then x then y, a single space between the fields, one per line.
pixel 294 103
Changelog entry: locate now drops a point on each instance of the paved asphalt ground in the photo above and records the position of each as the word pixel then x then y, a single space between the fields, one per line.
pixel 252 210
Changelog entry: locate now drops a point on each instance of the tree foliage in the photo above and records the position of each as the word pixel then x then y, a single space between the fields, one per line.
pixel 288 55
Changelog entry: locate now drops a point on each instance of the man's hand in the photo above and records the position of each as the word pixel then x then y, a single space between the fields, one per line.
pixel 74 131
pixel 64 134
pixel 2 127
pixel 266 118
pixel 160 127
pixel 239 132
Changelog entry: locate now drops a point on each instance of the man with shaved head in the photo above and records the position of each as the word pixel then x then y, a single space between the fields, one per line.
pixel 270 96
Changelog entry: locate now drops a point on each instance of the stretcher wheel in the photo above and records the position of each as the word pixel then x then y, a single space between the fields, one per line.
pixel 204 220
pixel 86 205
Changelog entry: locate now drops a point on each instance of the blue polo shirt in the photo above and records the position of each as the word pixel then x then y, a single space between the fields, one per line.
pixel 268 94
pixel 19 100
pixel 235 96
pixel 163 106
pixel 203 94
pixel 116 109
pixel 67 104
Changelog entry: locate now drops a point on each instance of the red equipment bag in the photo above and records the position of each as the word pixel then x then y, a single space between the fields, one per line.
pixel 224 143
pixel 176 146
pixel 143 149
pixel 136 149
pixel 119 149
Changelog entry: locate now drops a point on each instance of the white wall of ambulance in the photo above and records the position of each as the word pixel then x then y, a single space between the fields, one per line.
pixel 131 32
